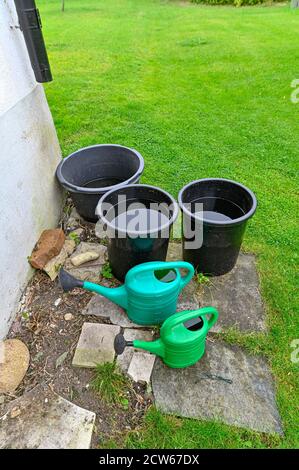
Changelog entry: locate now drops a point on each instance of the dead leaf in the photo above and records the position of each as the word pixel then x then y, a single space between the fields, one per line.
pixel 60 360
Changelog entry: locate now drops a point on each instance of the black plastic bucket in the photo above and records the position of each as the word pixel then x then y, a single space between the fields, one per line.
pixel 226 207
pixel 138 229
pixel 90 172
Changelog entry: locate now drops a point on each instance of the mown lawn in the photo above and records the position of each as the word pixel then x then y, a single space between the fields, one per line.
pixel 199 91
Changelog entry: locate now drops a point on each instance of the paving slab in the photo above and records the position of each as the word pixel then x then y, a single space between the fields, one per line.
pixel 100 230
pixel 130 334
pixel 141 366
pixel 226 385
pixel 88 271
pixel 95 345
pixel 41 419
pixel 53 266
pixel 237 297
pixel 102 307
pixel 177 229
pixel 188 297
pixel 73 220
pixel 174 252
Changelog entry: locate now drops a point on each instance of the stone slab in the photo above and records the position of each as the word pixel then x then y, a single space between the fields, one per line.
pixel 95 345
pixel 226 385
pixel 53 266
pixel 174 252
pixel 73 220
pixel 41 419
pixel 141 366
pixel 237 297
pixel 100 230
pixel 187 299
pixel 88 271
pixel 124 359
pixel 102 307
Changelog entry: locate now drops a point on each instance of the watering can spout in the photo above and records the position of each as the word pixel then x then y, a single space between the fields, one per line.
pixel 68 282
pixel 155 347
pixel 117 295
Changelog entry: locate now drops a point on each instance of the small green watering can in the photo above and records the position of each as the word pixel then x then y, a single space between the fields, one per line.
pixel 182 338
pixel 149 294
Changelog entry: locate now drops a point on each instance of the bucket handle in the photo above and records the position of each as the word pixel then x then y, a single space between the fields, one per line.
pixel 161 265
pixel 182 317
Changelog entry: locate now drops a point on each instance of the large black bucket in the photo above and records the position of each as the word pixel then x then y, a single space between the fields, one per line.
pixel 226 207
pixel 138 230
pixel 90 172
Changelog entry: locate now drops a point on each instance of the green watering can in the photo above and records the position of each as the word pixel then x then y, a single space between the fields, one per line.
pixel 149 294
pixel 182 338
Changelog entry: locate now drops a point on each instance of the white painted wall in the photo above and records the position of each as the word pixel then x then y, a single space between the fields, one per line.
pixel 30 199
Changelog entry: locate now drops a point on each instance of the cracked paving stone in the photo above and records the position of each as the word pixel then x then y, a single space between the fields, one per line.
pixel 91 270
pixel 95 345
pixel 102 307
pixel 226 385
pixel 124 359
pixel 236 295
pixel 141 366
pixel 41 419
pixel 188 296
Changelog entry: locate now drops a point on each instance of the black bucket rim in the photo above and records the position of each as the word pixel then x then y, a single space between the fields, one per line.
pixel 239 220
pixel 105 221
pixel 83 189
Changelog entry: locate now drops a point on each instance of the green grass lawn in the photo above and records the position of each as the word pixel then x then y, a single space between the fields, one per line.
pixel 199 91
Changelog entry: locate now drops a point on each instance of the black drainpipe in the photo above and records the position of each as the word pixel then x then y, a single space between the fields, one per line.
pixel 31 26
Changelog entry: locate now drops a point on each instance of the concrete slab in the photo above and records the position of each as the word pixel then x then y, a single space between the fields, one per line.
pixel 41 419
pixel 237 297
pixel 141 366
pixel 53 266
pixel 73 220
pixel 187 299
pixel 95 345
pixel 226 385
pixel 124 360
pixel 174 251
pixel 88 271
pixel 101 307
pixel 100 230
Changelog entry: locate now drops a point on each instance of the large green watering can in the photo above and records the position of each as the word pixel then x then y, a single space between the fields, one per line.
pixel 149 294
pixel 182 338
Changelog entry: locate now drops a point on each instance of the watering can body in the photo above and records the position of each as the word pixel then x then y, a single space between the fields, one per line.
pixel 182 337
pixel 153 289
pixel 150 292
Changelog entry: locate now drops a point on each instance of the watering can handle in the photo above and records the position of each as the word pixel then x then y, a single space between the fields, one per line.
pixel 185 265
pixel 214 315
pixel 160 265
pixel 179 318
